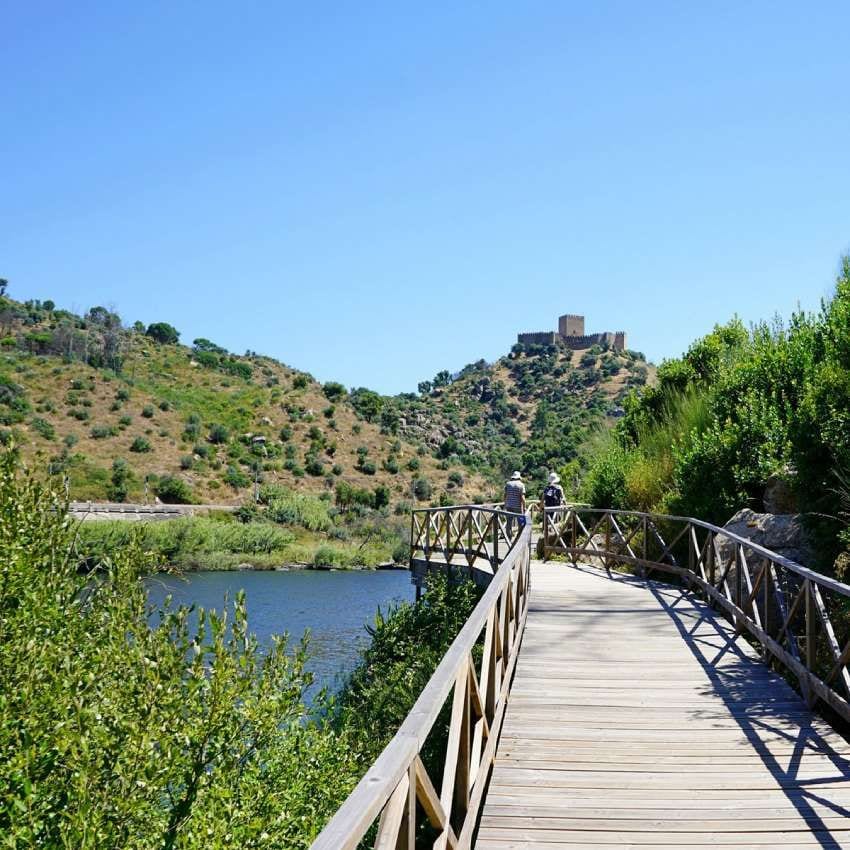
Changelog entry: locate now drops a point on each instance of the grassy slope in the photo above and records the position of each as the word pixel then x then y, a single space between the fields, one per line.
pixel 155 373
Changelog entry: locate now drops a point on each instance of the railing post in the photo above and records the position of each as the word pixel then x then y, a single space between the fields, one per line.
pixel 810 626
pixel 495 520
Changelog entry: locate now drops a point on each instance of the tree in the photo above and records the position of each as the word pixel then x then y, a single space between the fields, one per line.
pixel 442 379
pixel 163 333
pixel 203 344
pixel 424 387
pixel 3 284
pixel 367 403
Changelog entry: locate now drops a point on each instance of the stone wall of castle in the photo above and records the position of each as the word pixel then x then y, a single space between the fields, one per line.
pixel 538 338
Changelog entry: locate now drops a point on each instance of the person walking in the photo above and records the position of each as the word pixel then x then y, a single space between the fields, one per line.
pixel 515 500
pixel 553 493
pixel 553 497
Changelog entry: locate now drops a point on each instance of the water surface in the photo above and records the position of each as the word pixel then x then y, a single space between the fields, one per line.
pixel 334 606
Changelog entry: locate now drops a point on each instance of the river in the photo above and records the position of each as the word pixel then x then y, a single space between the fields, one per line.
pixel 334 605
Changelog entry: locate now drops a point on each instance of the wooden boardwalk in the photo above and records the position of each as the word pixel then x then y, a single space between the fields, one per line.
pixel 637 719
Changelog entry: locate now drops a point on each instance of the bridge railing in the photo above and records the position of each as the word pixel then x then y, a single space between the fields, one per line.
pixel 397 786
pixel 800 617
pixel 464 534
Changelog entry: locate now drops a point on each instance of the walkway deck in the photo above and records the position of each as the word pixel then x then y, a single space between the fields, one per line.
pixel 636 719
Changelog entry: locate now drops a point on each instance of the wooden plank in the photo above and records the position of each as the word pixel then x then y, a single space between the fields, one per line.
pixel 639 718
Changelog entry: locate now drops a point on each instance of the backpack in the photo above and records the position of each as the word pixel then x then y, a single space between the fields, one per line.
pixel 552 496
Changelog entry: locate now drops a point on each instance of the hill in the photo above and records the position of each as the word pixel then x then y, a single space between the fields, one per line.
pixel 119 411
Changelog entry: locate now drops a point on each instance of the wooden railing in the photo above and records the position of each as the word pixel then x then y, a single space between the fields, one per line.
pixel 398 780
pixel 464 534
pixel 801 618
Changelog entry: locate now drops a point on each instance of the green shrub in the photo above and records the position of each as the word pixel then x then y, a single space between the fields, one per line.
pixel 43 428
pixel 122 394
pixel 368 467
pixel 101 432
pixel 314 466
pixel 148 411
pixel 125 421
pixel 299 382
pixel 236 478
pixel 422 489
pixel 140 445
pixel 173 490
pixel 334 391
pixel 120 480
pixel 218 434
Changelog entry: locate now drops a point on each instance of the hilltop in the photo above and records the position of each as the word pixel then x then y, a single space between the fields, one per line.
pixel 111 408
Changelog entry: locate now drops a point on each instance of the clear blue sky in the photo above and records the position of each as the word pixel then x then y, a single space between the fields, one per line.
pixel 376 191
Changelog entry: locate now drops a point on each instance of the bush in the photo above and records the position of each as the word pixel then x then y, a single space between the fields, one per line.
pixel 174 491
pixel 43 428
pixel 300 509
pixel 101 432
pixel 148 411
pixel 236 478
pixel 299 382
pixel 187 462
pixel 422 489
pixel 218 434
pixel 314 466
pixel 125 421
pixel 368 467
pixel 122 394
pixel 334 391
pixel 140 445
pixel 119 481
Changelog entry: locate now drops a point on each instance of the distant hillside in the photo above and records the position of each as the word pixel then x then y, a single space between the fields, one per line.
pixel 107 408
pixel 535 409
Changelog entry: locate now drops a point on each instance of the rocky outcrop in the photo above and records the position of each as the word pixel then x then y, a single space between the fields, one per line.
pixel 781 533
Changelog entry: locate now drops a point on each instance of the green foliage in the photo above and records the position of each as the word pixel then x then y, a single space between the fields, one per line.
pixel 43 428
pixel 218 434
pixel 148 411
pixel 128 728
pixel 120 480
pixel 290 508
pixel 174 491
pixel 367 403
pixel 422 489
pixel 163 333
pixel 738 407
pixel 140 445
pixel 334 391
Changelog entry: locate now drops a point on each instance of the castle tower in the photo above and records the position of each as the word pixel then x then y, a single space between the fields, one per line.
pixel 571 325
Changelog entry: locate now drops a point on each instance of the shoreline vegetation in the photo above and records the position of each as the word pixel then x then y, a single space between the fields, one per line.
pixel 287 530
pixel 124 724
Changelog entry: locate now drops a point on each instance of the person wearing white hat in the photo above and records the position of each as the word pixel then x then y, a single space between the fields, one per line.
pixel 553 493
pixel 514 498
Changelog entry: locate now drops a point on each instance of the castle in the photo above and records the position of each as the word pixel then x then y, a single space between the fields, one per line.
pixel 571 333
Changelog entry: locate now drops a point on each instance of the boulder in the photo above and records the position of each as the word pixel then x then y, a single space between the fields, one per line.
pixel 781 533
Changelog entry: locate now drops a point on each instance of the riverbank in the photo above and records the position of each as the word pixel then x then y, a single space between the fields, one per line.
pixel 194 544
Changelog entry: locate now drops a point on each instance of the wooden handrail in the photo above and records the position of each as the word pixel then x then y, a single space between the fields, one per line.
pixel 398 778
pixel 778 601
pixel 464 534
